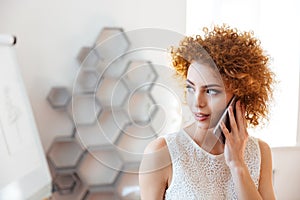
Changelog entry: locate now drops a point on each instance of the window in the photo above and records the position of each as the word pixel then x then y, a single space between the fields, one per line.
pixel 275 24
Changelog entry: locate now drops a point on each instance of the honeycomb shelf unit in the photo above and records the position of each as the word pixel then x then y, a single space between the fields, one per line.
pixel 111 107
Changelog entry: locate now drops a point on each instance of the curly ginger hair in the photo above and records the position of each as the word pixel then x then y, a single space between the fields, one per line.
pixel 241 62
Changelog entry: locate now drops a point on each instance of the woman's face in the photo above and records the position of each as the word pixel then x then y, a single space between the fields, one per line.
pixel 206 95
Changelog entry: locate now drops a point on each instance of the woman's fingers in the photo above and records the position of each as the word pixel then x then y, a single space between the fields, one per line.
pixel 245 121
pixel 238 124
pixel 239 115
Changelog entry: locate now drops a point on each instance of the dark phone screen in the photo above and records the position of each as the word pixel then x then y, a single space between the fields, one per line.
pixel 225 118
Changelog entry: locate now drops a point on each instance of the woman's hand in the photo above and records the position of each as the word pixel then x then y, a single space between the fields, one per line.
pixel 236 140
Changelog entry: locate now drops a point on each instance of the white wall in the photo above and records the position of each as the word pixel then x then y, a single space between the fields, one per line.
pixel 286 162
pixel 51 33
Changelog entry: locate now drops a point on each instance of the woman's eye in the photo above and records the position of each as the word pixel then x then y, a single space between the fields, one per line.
pixel 189 88
pixel 212 91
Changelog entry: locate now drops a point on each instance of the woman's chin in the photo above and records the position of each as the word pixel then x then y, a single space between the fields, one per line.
pixel 202 125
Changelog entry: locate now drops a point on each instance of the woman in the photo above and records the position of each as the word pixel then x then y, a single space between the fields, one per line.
pixel 194 163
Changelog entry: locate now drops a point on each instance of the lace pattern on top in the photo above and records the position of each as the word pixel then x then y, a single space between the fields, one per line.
pixel 198 174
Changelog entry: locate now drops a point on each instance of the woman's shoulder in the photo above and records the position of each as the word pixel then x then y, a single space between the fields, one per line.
pixel 160 142
pixel 156 145
pixel 262 145
pixel 265 149
pixel 156 155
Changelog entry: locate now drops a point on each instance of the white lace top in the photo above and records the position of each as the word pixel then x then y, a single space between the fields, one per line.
pixel 198 174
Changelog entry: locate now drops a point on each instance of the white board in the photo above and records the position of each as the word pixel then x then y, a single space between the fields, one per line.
pixel 24 172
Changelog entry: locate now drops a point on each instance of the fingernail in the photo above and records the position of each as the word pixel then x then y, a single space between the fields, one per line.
pixel 222 124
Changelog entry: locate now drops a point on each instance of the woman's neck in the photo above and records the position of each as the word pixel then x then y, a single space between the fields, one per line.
pixel 205 139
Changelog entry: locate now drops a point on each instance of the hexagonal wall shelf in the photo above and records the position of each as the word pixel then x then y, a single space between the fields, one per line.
pixel 59 97
pixel 62 125
pixel 140 75
pixel 111 43
pixel 76 194
pixel 105 132
pixel 133 141
pixel 112 92
pixel 64 153
pixel 84 109
pixel 99 166
pixel 141 107
pixel 86 81
pixel 105 193
pixel 169 109
pixel 113 116
pixel 65 183
pixel 115 69
pixel 88 57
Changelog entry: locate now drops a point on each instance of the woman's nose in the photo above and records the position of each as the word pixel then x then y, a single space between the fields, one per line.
pixel 200 100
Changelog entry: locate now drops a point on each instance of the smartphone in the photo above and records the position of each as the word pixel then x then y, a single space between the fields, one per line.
pixel 224 118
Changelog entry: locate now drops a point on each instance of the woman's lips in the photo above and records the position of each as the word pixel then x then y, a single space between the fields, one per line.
pixel 201 116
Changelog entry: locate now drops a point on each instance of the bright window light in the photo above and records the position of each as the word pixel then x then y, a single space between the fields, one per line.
pixel 275 24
